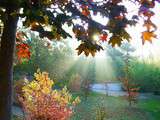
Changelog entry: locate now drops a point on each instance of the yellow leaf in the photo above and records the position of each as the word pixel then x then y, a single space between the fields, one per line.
pixel 46 19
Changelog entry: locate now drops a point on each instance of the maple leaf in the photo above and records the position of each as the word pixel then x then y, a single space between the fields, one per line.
pixel 88 49
pixel 23 51
pixel 148 36
pixel 124 35
pixel 115 40
pixel 149 24
pixel 85 12
pixel 103 37
pixel 93 52
pixel 80 48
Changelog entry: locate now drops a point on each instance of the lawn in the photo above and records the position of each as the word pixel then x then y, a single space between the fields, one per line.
pixel 116 108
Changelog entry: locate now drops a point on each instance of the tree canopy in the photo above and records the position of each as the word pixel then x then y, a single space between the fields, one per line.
pixel 48 17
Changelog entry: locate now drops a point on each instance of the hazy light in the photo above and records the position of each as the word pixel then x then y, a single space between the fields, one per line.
pixel 103 69
pixel 101 54
pixel 96 37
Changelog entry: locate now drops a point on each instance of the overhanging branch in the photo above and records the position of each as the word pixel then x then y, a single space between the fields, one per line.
pixel 76 13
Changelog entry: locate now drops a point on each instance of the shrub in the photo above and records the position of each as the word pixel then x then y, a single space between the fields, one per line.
pixel 75 83
pixel 146 75
pixel 40 102
pixel 18 85
pixel 101 111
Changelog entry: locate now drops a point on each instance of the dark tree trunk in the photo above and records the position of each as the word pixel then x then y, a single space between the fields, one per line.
pixel 6 64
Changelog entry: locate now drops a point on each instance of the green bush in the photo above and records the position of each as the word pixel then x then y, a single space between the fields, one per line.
pixel 146 75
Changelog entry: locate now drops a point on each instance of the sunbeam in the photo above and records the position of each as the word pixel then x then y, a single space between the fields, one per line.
pixel 103 67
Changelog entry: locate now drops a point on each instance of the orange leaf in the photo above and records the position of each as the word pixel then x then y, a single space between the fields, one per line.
pixel 85 12
pixel 148 36
pixel 23 51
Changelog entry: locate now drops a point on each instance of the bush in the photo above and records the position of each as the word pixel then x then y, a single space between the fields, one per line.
pixel 40 102
pixel 101 111
pixel 147 76
pixel 75 83
pixel 18 85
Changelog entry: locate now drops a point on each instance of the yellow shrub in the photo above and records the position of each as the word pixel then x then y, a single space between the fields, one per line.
pixel 41 101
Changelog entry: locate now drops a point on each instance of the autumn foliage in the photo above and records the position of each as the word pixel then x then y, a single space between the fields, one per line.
pixel 40 102
pixel 132 91
pixel 22 48
pixel 85 10
pixel 146 11
pixel 40 15
pixel 23 51
pixel 103 37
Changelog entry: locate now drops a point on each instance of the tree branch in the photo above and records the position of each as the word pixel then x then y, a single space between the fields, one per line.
pixel 76 13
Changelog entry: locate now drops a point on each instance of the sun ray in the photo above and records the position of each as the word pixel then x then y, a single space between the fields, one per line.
pixel 103 66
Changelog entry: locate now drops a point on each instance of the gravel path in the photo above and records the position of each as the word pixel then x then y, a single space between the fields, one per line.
pixel 115 89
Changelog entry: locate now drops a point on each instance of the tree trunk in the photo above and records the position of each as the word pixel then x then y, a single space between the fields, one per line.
pixel 6 63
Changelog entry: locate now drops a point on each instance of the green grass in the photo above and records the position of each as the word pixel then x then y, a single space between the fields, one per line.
pixel 152 106
pixel 116 108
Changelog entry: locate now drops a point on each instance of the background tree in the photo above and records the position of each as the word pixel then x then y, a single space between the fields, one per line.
pixel 128 84
pixel 45 55
pixel 118 56
pixel 146 75
pixel 123 69
pixel 143 73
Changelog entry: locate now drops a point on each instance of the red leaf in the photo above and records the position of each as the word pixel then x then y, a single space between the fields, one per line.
pixel 85 12
pixel 103 37
pixel 23 51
